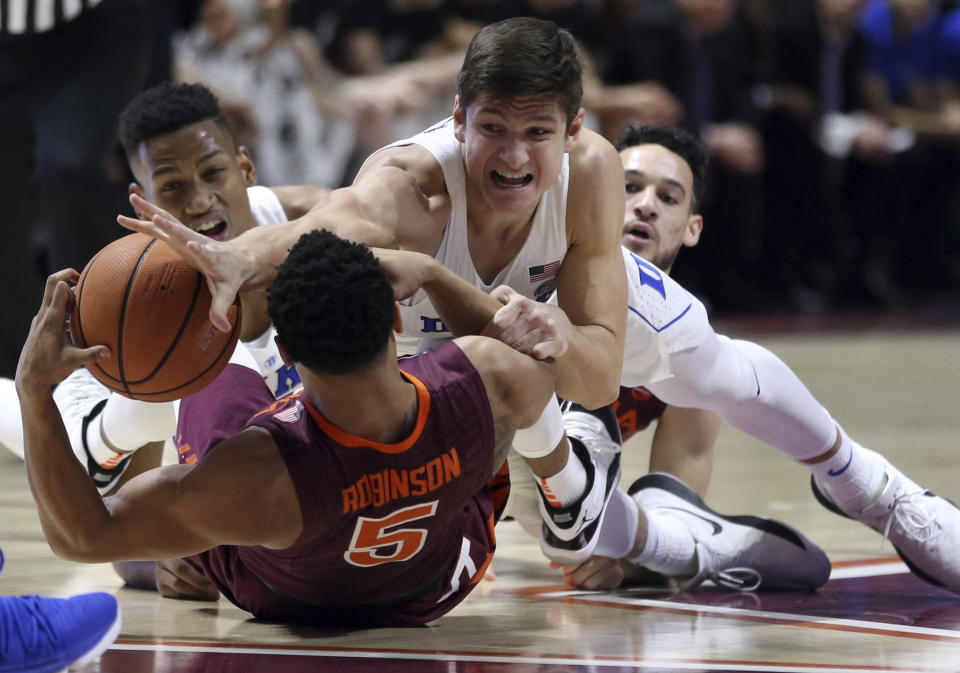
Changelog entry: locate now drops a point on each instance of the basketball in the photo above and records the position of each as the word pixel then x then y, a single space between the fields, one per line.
pixel 140 299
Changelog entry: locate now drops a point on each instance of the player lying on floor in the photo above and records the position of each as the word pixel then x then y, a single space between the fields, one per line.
pixel 518 191
pixel 375 475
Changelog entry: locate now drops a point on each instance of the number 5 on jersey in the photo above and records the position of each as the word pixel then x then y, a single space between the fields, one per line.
pixel 373 543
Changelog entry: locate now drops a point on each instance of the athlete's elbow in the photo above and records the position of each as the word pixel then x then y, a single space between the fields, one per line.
pixel 597 389
pixel 607 390
pixel 79 548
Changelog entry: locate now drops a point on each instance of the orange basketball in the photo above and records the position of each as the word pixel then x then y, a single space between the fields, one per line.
pixel 140 299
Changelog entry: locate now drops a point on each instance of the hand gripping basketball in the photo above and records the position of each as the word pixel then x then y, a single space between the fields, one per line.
pixel 150 308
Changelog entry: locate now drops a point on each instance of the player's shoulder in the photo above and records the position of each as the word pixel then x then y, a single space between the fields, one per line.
pixel 412 159
pixel 592 154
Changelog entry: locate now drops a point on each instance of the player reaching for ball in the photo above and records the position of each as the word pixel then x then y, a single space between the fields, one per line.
pixel 185 160
pixel 512 189
pixel 398 534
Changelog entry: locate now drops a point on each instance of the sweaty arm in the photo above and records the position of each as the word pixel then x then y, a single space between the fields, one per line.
pixel 518 386
pixel 386 207
pixel 464 308
pixel 167 512
pixel 591 283
pixel 298 200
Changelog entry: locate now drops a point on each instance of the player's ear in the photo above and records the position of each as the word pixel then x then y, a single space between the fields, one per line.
pixel 246 166
pixel 283 352
pixel 694 228
pixel 459 118
pixel 397 319
pixel 134 188
pixel 574 133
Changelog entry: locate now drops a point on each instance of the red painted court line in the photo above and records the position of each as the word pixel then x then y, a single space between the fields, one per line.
pixel 880 560
pixel 483 656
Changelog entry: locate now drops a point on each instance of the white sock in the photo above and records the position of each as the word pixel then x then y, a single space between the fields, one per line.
pixel 618 532
pixel 670 548
pixel 853 476
pixel 129 424
pixel 567 485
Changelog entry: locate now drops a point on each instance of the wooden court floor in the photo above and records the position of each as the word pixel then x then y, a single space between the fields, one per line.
pixel 895 390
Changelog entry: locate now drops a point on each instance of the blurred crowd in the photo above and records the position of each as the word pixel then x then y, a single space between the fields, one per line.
pixel 832 126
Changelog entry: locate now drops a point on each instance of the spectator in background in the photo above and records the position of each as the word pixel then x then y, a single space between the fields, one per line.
pixel 815 120
pixel 303 120
pixel 700 51
pixel 66 70
pixel 910 191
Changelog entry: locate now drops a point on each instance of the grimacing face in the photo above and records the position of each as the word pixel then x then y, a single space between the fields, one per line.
pixel 513 151
pixel 658 218
pixel 198 176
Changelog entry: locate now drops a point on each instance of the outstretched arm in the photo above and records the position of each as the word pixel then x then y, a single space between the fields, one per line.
pixel 464 308
pixel 163 513
pixel 385 207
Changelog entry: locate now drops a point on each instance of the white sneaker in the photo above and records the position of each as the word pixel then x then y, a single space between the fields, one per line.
pixel 923 528
pixel 570 534
pixel 80 399
pixel 745 553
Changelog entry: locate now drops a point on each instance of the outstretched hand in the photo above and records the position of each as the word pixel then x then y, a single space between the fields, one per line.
pixel 226 268
pixel 49 355
pixel 535 328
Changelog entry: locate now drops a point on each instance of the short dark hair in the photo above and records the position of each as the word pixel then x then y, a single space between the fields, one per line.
pixel 332 304
pixel 676 139
pixel 523 57
pixel 166 108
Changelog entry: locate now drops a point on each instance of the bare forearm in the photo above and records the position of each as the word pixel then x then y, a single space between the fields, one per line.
pixel 589 372
pixel 70 508
pixel 464 308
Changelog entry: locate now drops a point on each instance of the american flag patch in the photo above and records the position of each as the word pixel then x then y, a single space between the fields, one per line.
pixel 538 273
pixel 290 415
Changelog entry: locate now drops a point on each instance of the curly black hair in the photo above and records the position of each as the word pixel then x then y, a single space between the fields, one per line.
pixel 676 139
pixel 166 108
pixel 332 304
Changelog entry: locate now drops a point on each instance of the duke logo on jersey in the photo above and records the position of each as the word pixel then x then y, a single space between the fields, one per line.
pixel 650 275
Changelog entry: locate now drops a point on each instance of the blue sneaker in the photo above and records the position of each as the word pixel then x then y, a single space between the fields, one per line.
pixel 43 635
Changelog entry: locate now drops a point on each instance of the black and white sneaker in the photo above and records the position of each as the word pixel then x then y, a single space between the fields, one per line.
pixel 745 553
pixel 923 528
pixel 80 399
pixel 569 534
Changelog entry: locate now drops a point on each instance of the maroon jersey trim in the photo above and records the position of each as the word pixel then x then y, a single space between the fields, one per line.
pixel 352 441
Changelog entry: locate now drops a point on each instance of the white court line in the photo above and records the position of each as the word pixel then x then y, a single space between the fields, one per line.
pixel 602 597
pixel 660 664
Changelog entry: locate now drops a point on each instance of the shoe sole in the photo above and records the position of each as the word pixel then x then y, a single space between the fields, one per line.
pixel 106 641
pixel 831 506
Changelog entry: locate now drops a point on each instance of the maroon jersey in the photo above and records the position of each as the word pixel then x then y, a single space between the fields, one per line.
pixel 636 409
pixel 393 534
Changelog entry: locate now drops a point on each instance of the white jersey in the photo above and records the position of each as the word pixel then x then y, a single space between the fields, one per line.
pixel 662 317
pixel 280 378
pixel 532 272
